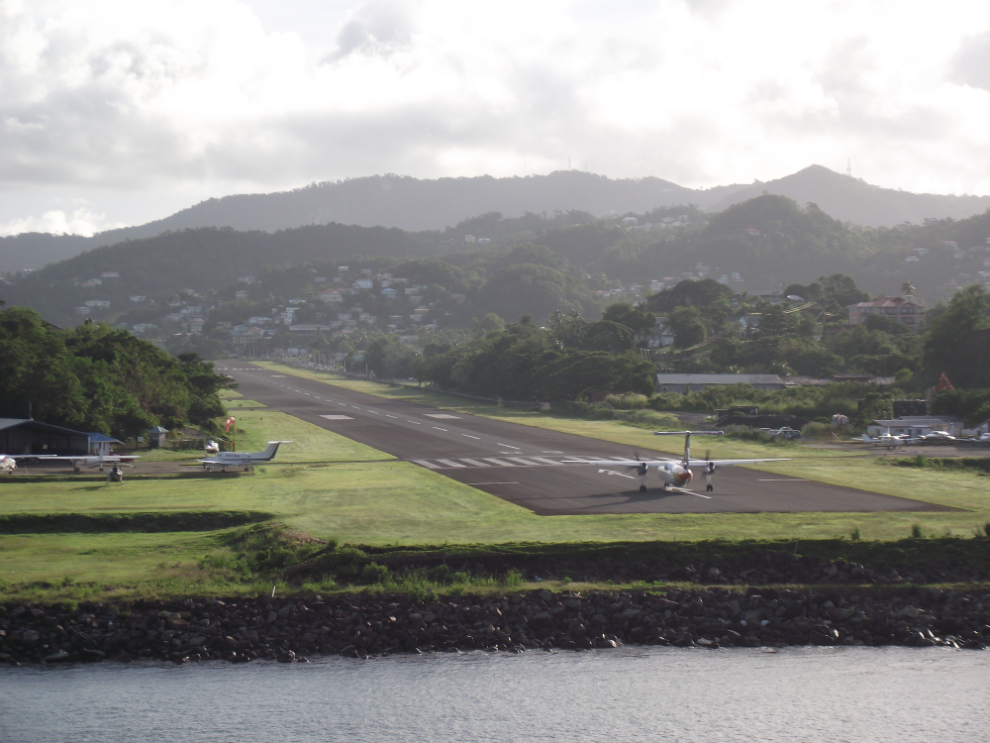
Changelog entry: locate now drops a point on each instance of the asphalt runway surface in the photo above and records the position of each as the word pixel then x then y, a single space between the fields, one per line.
pixel 527 466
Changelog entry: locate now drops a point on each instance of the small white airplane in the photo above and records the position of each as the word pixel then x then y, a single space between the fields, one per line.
pixel 227 459
pixel 890 441
pixel 676 473
pixel 8 462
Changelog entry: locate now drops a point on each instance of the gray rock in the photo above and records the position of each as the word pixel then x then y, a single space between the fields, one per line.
pixel 30 636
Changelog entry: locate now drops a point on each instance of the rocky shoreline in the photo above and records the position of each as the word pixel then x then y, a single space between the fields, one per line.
pixel 364 625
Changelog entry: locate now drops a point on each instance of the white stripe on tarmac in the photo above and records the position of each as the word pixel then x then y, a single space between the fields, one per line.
pixel 508 446
pixel 499 462
pixel 424 463
pixel 469 436
pixel 451 463
pixel 475 463
pixel 524 462
pixel 544 461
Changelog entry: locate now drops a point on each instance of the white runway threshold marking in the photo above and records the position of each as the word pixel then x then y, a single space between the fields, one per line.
pixel 337 417
pixel 424 463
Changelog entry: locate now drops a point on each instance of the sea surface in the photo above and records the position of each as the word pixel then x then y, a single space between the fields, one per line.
pixel 629 694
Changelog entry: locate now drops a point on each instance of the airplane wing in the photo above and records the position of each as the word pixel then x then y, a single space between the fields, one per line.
pixel 621 462
pixel 731 462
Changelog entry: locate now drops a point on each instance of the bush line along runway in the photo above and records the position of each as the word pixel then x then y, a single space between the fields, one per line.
pixel 525 465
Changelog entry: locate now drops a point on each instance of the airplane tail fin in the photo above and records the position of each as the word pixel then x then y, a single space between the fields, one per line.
pixel 687 440
pixel 269 453
pixel 866 437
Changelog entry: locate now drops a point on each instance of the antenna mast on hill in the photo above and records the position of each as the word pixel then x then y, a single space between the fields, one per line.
pixel 849 167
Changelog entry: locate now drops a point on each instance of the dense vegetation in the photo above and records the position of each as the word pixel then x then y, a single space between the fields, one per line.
pixel 95 378
pixel 769 241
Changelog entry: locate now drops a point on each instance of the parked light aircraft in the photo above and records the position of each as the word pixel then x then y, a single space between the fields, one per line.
pixel 888 440
pixel 8 462
pixel 227 459
pixel 676 473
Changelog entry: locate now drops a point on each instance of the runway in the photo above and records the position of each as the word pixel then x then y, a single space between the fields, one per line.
pixel 532 467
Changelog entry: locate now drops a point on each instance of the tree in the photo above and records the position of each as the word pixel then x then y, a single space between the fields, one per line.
pixel 949 329
pixel 624 313
pixel 689 329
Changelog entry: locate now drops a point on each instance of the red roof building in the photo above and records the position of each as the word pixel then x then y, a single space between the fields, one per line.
pixel 899 309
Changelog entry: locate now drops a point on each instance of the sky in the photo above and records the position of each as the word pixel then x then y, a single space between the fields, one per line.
pixel 115 112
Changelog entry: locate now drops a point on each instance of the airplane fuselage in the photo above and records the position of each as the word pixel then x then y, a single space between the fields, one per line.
pixel 676 475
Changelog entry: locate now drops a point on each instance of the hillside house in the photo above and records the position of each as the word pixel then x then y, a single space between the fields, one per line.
pixel 904 311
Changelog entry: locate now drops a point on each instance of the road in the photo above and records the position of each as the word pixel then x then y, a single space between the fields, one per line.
pixel 526 465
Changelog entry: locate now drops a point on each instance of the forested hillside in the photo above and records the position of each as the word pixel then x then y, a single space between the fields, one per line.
pixel 425 205
pixel 532 264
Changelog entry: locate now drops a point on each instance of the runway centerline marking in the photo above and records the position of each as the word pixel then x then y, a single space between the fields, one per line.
pixel 440 429
pixel 508 446
pixel 391 416
pixel 440 415
pixel 416 422
pixel 469 436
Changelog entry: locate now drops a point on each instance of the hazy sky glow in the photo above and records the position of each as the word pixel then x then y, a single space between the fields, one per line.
pixel 114 111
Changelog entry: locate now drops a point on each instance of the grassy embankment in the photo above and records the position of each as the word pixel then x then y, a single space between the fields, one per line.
pixel 77 537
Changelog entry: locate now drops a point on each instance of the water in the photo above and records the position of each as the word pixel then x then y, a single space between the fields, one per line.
pixel 631 694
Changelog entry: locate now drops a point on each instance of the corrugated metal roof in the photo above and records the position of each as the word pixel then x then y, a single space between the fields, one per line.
pixel 722 379
pixel 6 423
pixel 101 437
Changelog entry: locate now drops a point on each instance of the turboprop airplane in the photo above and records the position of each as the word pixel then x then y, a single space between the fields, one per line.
pixel 676 473
pixel 227 459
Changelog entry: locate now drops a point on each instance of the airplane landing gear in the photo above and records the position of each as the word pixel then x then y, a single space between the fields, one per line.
pixel 642 488
pixel 710 488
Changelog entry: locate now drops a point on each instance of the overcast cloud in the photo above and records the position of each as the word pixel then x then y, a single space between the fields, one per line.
pixel 113 111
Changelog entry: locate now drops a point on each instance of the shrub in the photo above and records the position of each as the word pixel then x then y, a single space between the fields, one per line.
pixel 916 531
pixel 373 573
pixel 627 401
pixel 513 578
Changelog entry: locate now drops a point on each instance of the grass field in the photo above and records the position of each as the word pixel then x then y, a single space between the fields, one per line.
pixel 328 486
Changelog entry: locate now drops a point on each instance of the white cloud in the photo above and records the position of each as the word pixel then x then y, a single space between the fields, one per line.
pixel 176 94
pixel 79 221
